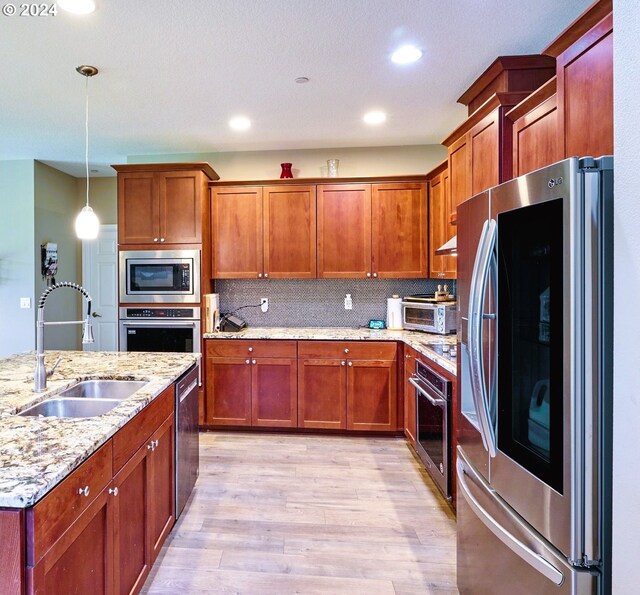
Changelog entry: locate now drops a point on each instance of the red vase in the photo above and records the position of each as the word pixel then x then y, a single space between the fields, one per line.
pixel 286 170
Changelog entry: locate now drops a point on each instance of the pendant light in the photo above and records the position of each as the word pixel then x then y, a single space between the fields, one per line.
pixel 87 224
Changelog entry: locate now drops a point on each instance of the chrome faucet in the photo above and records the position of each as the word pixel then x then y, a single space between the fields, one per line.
pixel 41 373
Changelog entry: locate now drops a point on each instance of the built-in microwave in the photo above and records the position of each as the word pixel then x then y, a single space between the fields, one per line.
pixel 159 276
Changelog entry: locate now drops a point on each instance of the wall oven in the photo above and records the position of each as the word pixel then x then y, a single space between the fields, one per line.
pixel 433 412
pixel 160 329
pixel 159 276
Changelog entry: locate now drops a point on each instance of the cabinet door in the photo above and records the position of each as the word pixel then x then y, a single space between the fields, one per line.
pixel 81 561
pixel 161 509
pixel 399 230
pixel 459 174
pixel 180 207
pixel 132 556
pixel 484 140
pixel 274 394
pixel 138 216
pixel 409 395
pixel 228 391
pixel 585 93
pixel 371 395
pixel 535 138
pixel 439 227
pixel 236 233
pixel 450 262
pixel 344 231
pixel 289 232
pixel 322 393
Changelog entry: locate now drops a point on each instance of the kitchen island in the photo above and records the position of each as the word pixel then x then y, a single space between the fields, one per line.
pixel 87 502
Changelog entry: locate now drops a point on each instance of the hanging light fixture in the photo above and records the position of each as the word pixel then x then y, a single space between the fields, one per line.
pixel 87 224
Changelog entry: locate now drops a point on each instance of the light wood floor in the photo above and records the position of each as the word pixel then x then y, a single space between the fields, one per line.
pixel 278 514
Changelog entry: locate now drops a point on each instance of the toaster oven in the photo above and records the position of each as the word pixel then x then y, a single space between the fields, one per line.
pixel 440 318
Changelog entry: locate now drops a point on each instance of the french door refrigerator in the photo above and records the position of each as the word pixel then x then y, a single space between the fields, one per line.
pixel 535 364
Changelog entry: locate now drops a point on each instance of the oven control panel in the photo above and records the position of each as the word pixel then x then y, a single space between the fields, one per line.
pixel 159 313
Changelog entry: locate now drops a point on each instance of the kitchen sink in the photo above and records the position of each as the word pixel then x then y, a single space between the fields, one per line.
pixel 71 407
pixel 102 389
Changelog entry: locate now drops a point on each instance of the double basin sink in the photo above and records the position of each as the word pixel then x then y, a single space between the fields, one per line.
pixel 86 399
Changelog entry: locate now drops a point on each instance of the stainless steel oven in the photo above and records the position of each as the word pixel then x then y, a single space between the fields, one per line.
pixel 433 413
pixel 159 276
pixel 160 329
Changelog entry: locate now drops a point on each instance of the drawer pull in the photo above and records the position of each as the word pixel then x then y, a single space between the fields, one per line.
pixel 253 361
pixel 266 274
pixel 368 274
pixel 250 349
pixel 84 491
pixel 113 491
pixel 346 350
pixel 247 361
pixel 343 363
pixel 260 275
pixel 351 363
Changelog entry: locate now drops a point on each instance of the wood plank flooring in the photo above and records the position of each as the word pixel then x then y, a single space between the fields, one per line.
pixel 276 514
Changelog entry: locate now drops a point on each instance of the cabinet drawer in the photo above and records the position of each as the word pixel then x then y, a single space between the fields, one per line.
pixel 54 514
pixel 137 431
pixel 380 350
pixel 249 348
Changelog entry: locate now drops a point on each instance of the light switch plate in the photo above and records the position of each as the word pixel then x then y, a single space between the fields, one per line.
pixel 25 303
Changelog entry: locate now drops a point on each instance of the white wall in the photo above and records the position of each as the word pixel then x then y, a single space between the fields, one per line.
pixel 626 406
pixel 17 258
pixel 312 163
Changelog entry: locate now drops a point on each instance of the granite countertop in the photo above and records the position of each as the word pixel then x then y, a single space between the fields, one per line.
pixel 423 343
pixel 36 453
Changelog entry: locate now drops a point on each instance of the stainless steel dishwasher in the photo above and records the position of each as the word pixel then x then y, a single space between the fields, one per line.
pixel 187 437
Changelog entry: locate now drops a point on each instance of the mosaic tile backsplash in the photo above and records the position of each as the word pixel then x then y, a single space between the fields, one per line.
pixel 317 302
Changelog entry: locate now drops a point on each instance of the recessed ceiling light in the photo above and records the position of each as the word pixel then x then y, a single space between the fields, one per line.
pixel 240 123
pixel 77 6
pixel 374 117
pixel 302 79
pixel 406 54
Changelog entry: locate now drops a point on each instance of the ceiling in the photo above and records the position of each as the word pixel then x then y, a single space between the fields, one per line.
pixel 172 74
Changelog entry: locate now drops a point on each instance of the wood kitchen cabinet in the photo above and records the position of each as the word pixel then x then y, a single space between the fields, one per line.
pixel 263 232
pixel 251 383
pixel 372 230
pixel 440 228
pixel 347 385
pixel 162 203
pixel 410 420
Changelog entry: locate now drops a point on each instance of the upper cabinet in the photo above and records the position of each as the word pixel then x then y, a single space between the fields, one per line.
pixel 263 232
pixel 440 228
pixel 343 230
pixel 162 203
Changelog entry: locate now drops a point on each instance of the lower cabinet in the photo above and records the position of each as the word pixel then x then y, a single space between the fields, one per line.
pixel 251 383
pixel 347 385
pixel 101 529
pixel 410 420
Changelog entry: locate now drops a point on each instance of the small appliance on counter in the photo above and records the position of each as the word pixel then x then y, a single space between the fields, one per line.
pixel 394 313
pixel 430 313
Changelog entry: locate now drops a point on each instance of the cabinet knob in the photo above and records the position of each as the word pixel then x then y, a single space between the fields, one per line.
pixel 368 274
pixel 343 363
pixel 375 274
pixel 155 239
pixel 346 350
pixel 162 239
pixel 408 356
pixel 250 349
pixel 253 361
pixel 155 443
pixel 113 491
pixel 84 491
pixel 266 274
pixel 247 361
pixel 351 363
pixel 152 445
pixel 260 275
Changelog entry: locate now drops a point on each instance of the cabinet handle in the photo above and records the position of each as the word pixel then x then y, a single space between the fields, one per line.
pixel 155 239
pixel 84 491
pixel 250 349
pixel 266 274
pixel 162 239
pixel 155 443
pixel 351 363
pixel 113 491
pixel 260 275
pixel 368 274
pixel 346 350
pixel 343 363
pixel 253 361
pixel 247 361
pixel 375 274
pixel 152 445
pixel 408 356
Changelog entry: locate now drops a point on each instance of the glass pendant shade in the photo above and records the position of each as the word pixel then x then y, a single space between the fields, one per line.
pixel 87 224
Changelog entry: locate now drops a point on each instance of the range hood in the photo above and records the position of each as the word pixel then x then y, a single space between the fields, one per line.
pixel 449 247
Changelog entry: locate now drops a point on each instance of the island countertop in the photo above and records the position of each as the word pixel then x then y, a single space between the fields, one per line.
pixel 36 453
pixel 423 343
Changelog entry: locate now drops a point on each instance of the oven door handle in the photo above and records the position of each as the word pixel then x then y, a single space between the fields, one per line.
pixel 426 395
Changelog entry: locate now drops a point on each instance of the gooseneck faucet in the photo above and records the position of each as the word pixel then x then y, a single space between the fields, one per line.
pixel 41 373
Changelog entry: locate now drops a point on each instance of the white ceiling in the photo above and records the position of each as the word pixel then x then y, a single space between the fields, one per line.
pixel 172 73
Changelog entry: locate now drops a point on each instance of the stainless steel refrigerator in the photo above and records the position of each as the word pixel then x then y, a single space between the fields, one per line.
pixel 535 365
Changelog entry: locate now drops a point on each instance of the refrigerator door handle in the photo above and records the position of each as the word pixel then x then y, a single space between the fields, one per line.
pixel 484 264
pixel 515 545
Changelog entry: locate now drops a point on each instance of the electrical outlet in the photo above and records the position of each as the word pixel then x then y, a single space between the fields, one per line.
pixel 25 303
pixel 264 304
pixel 348 302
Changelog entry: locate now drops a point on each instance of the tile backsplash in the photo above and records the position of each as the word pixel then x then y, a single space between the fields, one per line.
pixel 317 302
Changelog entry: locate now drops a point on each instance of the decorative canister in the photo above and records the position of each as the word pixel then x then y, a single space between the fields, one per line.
pixel 286 170
pixel 394 313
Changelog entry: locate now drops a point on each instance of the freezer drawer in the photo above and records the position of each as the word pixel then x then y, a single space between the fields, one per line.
pixel 499 554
